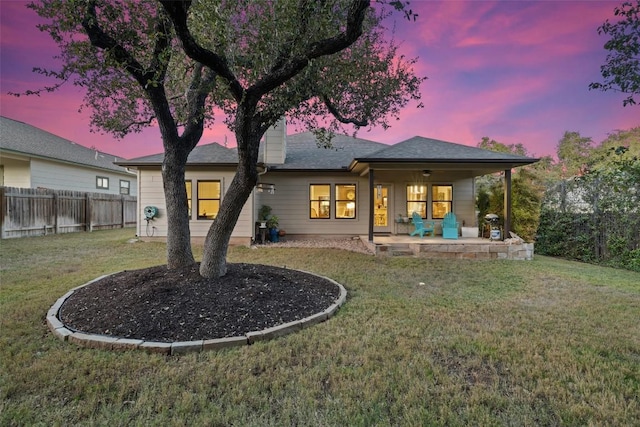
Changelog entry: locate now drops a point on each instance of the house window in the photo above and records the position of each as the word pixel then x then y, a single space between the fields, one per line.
pixel 125 187
pixel 417 199
pixel 188 186
pixel 346 201
pixel 442 200
pixel 208 199
pixel 319 201
pixel 102 182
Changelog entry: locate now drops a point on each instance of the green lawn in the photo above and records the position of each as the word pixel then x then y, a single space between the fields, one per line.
pixel 545 342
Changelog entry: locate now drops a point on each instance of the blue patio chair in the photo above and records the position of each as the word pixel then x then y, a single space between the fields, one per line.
pixel 422 227
pixel 450 226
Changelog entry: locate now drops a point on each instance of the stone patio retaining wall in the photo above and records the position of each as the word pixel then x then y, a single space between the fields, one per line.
pixel 489 250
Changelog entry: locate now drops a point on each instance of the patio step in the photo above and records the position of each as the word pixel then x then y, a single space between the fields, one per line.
pixel 400 250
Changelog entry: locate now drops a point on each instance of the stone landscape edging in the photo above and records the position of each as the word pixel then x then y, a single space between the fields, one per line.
pixel 106 342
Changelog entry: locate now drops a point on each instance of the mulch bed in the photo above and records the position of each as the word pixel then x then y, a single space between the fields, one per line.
pixel 162 305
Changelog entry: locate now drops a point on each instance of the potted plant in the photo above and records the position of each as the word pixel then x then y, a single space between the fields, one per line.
pixel 272 225
pixel 263 215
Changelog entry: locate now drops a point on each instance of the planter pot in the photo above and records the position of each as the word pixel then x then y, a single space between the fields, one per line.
pixel 273 235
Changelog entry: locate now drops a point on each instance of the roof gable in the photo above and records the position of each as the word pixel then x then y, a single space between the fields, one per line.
pixel 22 138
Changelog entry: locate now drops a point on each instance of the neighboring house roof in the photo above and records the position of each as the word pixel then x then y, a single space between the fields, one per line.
pixel 349 153
pixel 21 138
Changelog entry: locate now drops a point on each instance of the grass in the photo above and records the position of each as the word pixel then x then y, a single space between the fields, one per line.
pixel 545 342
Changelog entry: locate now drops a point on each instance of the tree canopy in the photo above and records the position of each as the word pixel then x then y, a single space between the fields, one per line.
pixel 621 72
pixel 320 63
pixel 527 190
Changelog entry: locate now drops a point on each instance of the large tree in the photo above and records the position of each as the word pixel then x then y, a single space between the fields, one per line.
pixel 527 189
pixel 573 152
pixel 621 72
pixel 318 62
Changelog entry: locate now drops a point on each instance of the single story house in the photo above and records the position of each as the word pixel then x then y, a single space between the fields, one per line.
pixel 357 187
pixel 33 158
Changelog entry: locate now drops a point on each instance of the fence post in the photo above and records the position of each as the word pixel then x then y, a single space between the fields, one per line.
pixel 122 225
pixel 56 212
pixel 88 225
pixel 3 209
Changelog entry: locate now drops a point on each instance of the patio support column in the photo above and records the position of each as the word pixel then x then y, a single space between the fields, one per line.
pixel 507 203
pixel 371 205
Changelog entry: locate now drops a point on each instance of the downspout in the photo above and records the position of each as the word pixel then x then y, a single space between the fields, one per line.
pixel 507 203
pixel 253 203
pixel 371 205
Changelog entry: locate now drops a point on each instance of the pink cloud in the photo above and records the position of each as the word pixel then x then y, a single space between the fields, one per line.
pixel 517 72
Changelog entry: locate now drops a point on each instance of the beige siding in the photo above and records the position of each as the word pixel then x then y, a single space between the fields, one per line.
pixel 152 194
pixel 291 199
pixel 16 173
pixel 59 176
pixel 290 202
pixel 464 201
pixel 463 192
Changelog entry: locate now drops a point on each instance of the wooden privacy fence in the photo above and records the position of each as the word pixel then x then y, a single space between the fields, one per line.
pixel 36 211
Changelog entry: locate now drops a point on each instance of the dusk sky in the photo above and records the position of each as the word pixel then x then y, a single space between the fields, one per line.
pixel 514 71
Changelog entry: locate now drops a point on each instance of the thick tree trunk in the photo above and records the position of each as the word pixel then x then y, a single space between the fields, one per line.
pixel 214 257
pixel 179 252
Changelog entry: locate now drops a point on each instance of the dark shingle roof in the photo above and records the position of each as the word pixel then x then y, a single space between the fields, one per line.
pixel 207 154
pixel 19 137
pixel 303 152
pixel 426 150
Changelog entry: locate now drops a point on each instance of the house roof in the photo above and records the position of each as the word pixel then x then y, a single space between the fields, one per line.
pixel 207 154
pixel 428 153
pixel 303 152
pixel 21 138
pixel 356 154
pixel 419 148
